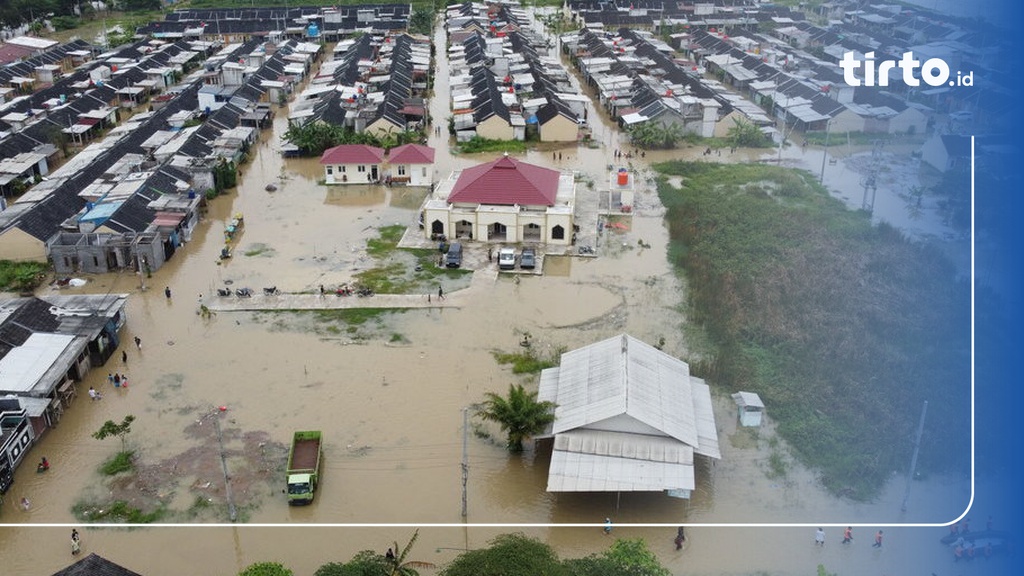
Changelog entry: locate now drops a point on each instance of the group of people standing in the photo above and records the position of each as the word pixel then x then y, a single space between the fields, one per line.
pixel 118 380
pixel 819 537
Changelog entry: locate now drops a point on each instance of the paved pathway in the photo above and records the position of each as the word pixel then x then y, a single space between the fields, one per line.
pixel 482 280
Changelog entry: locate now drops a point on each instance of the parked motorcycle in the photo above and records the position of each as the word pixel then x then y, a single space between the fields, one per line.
pixel 243 292
pixel 223 291
pixel 586 250
pixel 363 292
pixel 343 290
pixel 271 291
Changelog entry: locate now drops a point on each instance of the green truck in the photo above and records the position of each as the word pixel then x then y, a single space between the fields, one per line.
pixel 303 466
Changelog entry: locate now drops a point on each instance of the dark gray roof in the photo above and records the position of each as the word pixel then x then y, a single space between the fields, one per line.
pixel 33 315
pixel 95 565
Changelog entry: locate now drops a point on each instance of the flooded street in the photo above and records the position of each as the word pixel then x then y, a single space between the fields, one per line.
pixel 389 396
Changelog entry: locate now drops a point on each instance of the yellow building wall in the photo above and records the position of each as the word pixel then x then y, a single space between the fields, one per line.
pixel 494 128
pixel 17 245
pixel 559 129
pixel 726 122
pixel 381 127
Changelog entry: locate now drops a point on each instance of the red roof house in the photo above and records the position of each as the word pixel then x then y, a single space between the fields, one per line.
pixel 352 164
pixel 412 164
pixel 411 154
pixel 506 181
pixel 353 154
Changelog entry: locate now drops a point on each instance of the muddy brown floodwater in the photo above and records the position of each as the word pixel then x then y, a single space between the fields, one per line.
pixel 389 396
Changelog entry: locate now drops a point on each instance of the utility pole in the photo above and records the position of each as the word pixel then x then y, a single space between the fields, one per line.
pixel 465 458
pixel 913 459
pixel 785 136
pixel 140 263
pixel 824 153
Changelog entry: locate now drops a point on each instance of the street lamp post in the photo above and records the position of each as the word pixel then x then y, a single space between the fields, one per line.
pixel 465 459
pixel 824 153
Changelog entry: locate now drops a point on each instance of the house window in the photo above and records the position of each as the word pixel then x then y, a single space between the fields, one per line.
pixel 558 233
pixel 341 169
pixel 330 170
pixel 361 168
pixel 424 172
pixel 401 169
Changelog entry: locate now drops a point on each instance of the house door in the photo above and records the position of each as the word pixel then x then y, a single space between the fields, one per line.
pixel 497 231
pixel 373 173
pixel 464 229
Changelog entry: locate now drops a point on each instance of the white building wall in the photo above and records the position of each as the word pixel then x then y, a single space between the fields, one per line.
pixel 349 173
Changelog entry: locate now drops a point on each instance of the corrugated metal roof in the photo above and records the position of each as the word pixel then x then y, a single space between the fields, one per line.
pixel 628 417
pixel 623 375
pixel 751 399
pixel 594 461
pixel 25 365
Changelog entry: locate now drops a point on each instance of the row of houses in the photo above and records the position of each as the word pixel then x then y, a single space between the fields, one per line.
pixel 374 84
pixel 504 85
pixel 657 15
pixel 637 80
pixel 777 59
pixel 329 23
pixel 126 200
pixel 132 198
pixel 47 346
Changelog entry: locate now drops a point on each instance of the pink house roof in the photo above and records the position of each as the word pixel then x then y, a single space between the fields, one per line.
pixel 353 154
pixel 411 154
pixel 506 181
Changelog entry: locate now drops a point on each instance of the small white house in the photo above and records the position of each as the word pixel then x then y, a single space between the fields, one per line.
pixel 946 151
pixel 412 164
pixel 352 164
pixel 750 408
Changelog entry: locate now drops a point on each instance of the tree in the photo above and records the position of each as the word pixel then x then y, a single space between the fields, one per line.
pixel 520 415
pixel 644 134
pixel 623 558
pixel 421 21
pixel 743 134
pixel 121 430
pixel 266 569
pixel 508 555
pixel 370 563
pixel 400 566
pixel 633 557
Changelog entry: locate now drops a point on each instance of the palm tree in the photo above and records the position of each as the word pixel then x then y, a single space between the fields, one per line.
pixel 520 415
pixel 399 566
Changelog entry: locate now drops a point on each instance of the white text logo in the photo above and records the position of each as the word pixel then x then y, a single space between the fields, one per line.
pixel 934 71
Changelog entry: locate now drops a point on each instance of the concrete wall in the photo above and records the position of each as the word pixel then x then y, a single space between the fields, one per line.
pixel 514 221
pixel 380 127
pixel 847 121
pixel 911 117
pixel 495 128
pixel 415 174
pixel 349 173
pixel 559 129
pixel 18 246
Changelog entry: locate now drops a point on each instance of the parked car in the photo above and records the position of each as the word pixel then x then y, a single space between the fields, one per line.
pixel 962 116
pixel 506 259
pixel 453 259
pixel 528 259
